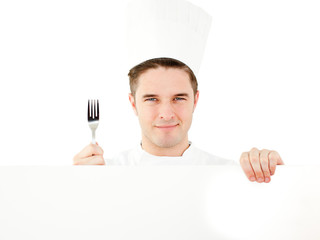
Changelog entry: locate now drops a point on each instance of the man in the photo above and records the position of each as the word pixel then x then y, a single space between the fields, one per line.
pixel 164 96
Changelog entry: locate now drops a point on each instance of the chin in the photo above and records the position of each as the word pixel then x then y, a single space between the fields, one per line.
pixel 167 143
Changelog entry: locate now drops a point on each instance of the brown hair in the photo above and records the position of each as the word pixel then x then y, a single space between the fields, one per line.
pixel 154 63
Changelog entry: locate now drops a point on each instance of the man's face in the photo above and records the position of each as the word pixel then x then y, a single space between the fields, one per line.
pixel 164 104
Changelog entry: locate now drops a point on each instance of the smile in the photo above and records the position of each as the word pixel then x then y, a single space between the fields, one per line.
pixel 167 126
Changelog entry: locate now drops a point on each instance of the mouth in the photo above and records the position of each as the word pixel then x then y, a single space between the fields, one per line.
pixel 167 126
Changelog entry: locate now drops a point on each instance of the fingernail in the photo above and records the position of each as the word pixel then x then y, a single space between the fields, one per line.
pixel 267 179
pixel 252 179
pixel 260 180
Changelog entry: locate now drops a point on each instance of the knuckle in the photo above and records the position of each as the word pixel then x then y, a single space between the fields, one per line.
pixel 271 154
pixel 254 149
pixel 243 157
pixel 273 160
pixel 274 154
pixel 244 154
pixel 242 160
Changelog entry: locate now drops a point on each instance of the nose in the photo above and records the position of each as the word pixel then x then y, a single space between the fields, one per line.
pixel 166 112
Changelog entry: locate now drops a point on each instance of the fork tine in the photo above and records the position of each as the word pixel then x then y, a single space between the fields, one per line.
pixel 93 109
pixel 92 113
pixel 88 109
pixel 97 109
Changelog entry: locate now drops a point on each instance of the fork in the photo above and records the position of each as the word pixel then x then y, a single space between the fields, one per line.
pixel 93 117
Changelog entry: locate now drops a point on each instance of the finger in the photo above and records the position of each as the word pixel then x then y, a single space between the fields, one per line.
pixel 94 160
pixel 246 166
pixel 274 159
pixel 254 156
pixel 90 150
pixel 279 161
pixel 264 162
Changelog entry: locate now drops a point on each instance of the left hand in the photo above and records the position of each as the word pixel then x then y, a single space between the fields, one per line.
pixel 260 165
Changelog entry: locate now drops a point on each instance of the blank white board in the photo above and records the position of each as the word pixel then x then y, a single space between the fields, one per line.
pixel 162 202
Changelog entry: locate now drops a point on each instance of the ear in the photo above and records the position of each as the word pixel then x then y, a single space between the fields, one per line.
pixel 196 98
pixel 133 104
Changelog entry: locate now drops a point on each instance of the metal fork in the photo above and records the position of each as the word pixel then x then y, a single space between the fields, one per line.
pixel 93 117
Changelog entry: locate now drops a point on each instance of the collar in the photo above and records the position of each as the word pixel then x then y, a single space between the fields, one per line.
pixel 185 153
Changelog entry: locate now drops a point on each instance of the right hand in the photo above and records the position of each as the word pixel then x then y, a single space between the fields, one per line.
pixel 90 155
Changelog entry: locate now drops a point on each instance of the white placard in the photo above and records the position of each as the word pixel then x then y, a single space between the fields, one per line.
pixel 173 203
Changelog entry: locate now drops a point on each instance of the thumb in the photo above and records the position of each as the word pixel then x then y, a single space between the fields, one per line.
pixel 280 161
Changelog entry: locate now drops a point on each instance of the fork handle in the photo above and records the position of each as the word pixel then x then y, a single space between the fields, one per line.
pixel 93 137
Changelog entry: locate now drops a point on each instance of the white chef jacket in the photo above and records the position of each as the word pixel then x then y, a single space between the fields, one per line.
pixel 191 156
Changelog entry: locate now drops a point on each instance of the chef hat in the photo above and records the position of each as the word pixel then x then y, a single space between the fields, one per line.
pixel 166 28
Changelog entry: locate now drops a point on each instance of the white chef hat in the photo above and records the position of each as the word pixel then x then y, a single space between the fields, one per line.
pixel 166 28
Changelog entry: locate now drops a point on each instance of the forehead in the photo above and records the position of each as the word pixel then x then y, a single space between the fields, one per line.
pixel 164 81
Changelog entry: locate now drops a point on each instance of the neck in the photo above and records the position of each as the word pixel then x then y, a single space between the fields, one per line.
pixel 174 151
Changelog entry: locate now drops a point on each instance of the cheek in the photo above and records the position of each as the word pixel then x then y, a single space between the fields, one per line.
pixel 147 114
pixel 184 112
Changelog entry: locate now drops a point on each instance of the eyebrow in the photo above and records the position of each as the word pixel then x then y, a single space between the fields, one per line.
pixel 176 95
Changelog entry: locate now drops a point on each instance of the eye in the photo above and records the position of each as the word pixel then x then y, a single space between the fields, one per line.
pixel 151 99
pixel 179 99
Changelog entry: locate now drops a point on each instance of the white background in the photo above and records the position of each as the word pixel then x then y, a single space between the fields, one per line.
pixel 258 81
